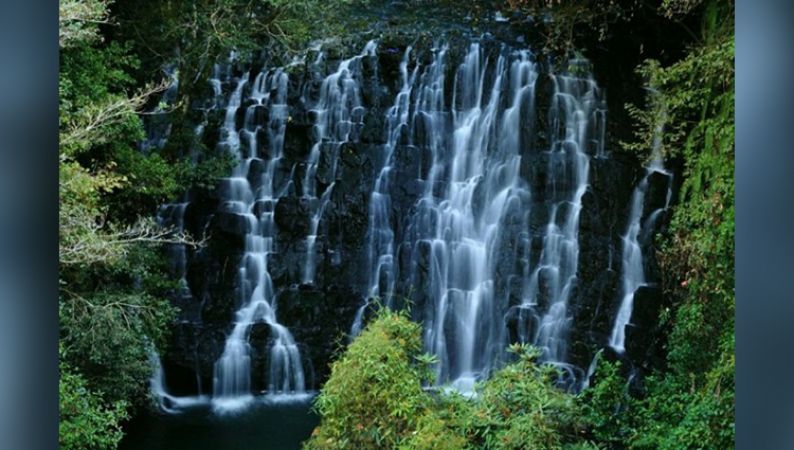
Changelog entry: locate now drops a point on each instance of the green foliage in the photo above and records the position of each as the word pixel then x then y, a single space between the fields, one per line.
pixel 100 188
pixel 519 408
pixel 78 20
pixel 108 336
pixel 112 306
pixel 605 406
pixel 436 429
pixel 673 413
pixel 93 103
pixel 86 422
pixel 150 181
pixel 679 412
pixel 374 397
pixel 89 74
pixel 674 416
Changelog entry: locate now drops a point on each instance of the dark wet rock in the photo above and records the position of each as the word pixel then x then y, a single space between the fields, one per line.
pixel 232 223
pixel 659 184
pixel 297 140
pixel 373 130
pixel 293 215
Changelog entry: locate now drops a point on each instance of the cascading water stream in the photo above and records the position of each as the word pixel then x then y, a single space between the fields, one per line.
pixel 232 379
pixel 339 115
pixel 166 402
pixel 471 187
pixel 632 265
pixel 426 114
pixel 380 236
pixel 574 121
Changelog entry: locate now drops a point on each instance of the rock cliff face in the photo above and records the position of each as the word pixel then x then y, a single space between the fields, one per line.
pixel 319 314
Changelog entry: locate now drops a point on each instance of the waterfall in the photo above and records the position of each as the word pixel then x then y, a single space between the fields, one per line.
pixel 473 212
pixel 574 123
pixel 157 383
pixel 173 215
pixel 158 127
pixel 471 186
pixel 464 330
pixel 255 205
pixel 166 402
pixel 585 383
pixel 380 236
pixel 632 267
pixel 467 239
pixel 339 115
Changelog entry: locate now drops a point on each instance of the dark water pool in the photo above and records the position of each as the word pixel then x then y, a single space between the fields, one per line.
pixel 264 426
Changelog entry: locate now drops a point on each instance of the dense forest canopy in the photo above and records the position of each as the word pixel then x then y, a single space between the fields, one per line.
pixel 117 59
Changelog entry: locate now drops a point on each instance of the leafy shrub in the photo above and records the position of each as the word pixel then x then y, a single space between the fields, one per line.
pixel 435 431
pixel 520 408
pixel 374 397
pixel 679 412
pixel 605 406
pixel 87 422
pixel 109 335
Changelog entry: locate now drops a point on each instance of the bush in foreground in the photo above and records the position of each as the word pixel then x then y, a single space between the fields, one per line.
pixel 374 399
pixel 86 423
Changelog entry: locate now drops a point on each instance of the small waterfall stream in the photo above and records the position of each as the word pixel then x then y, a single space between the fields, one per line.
pixel 632 265
pixel 339 115
pixel 380 236
pixel 575 119
pixel 255 204
pixel 173 215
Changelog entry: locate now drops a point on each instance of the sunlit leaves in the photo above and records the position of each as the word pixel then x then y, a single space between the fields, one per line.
pixel 374 399
pixel 78 20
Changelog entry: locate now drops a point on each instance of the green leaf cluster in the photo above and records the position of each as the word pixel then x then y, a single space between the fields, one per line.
pixel 520 408
pixel 113 275
pixel 374 399
pixel 87 422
